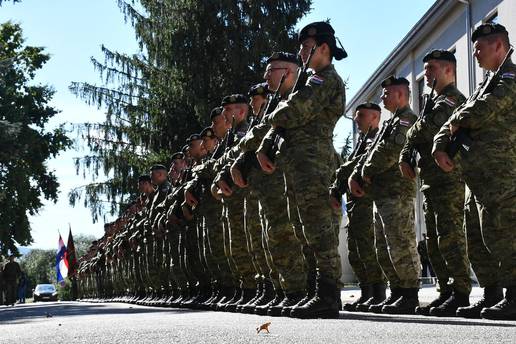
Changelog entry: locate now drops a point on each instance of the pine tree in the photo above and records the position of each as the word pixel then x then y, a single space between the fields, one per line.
pixel 26 145
pixel 192 53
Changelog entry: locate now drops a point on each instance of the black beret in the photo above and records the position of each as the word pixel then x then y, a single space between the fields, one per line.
pixel 215 112
pixel 193 137
pixel 178 155
pixel 283 56
pixel 322 32
pixel 158 167
pixel 207 132
pixel 440 54
pixel 144 178
pixel 369 106
pixel 234 99
pixel 487 30
pixel 394 81
pixel 259 90
pixel 185 149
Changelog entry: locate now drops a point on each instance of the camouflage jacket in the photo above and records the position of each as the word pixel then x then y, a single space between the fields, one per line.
pixel 381 161
pixel 420 136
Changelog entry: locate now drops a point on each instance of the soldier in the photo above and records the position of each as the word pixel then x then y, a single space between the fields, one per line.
pixel 308 118
pixel 362 254
pixel 11 275
pixel 483 128
pixel 443 192
pixel 378 174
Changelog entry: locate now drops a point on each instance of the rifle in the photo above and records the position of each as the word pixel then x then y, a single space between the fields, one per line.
pixel 302 77
pixel 461 140
pixel 429 105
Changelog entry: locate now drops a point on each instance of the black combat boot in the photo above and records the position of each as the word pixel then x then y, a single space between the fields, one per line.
pixel 325 304
pixel 289 300
pixel 449 307
pixel 279 296
pixel 215 295
pixel 257 295
pixel 193 293
pixel 393 297
pixel 245 297
pixel 377 297
pixel 266 297
pixel 444 295
pixel 492 295
pixel 366 292
pixel 503 310
pixel 204 294
pixel 237 293
pixel 225 294
pixel 310 294
pixel 406 304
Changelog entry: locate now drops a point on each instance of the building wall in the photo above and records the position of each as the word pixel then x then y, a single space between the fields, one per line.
pixel 451 32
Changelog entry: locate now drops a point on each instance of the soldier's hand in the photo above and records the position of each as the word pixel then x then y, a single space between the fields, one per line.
pixel 443 161
pixel 190 199
pixel 224 188
pixel 407 171
pixel 236 175
pixel 215 192
pixel 265 163
pixel 335 204
pixel 355 188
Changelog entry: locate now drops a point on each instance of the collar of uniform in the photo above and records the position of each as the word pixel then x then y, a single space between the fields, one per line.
pixel 372 132
pixel 447 89
pixel 325 70
pixel 402 110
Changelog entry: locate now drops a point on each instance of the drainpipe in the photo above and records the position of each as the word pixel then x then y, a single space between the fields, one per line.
pixel 471 66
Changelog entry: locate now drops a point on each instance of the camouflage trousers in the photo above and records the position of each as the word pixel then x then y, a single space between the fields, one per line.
pixel 308 179
pixel 238 239
pixel 360 234
pixel 192 256
pixel 395 240
pixel 284 250
pixel 446 239
pixel 175 252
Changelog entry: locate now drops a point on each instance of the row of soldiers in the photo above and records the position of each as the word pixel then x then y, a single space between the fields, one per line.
pixel 242 221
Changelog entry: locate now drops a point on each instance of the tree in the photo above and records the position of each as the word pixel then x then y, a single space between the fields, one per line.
pixel 192 53
pixel 347 147
pixel 26 144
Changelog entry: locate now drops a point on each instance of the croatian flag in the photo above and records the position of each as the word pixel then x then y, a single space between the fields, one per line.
pixel 61 262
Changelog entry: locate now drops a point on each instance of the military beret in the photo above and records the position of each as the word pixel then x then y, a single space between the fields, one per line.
pixel 178 156
pixel 284 57
pixel 259 90
pixel 185 149
pixel 394 81
pixel 144 178
pixel 158 167
pixel 440 54
pixel 368 106
pixel 322 32
pixel 487 30
pixel 207 132
pixel 216 112
pixel 193 137
pixel 234 99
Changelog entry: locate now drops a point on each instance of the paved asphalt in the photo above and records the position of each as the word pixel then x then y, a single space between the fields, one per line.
pixel 74 322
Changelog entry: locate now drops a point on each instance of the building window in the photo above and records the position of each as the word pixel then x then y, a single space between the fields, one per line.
pixel 420 92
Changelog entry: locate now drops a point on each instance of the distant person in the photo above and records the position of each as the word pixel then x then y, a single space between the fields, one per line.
pixel 22 288
pixel 12 273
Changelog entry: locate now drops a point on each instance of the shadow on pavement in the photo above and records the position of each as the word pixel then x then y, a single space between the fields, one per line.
pixel 21 313
pixel 423 320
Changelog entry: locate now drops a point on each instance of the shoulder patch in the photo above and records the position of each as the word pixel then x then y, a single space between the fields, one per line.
pixel 450 101
pixel 508 75
pixel 405 122
pixel 316 80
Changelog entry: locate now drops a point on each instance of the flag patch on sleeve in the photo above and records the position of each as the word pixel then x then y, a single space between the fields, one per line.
pixel 449 101
pixel 508 75
pixel 405 123
pixel 316 80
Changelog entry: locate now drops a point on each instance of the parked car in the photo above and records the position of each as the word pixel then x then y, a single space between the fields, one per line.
pixel 45 292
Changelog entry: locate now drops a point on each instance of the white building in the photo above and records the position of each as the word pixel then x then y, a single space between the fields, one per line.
pixel 448 24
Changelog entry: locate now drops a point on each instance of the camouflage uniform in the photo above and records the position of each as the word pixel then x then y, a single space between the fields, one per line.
pixel 393 197
pixel 489 163
pixel 443 196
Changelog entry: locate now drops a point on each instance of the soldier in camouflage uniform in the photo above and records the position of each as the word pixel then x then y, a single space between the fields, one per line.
pixel 362 254
pixel 443 192
pixel 308 118
pixel 484 128
pixel 378 172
